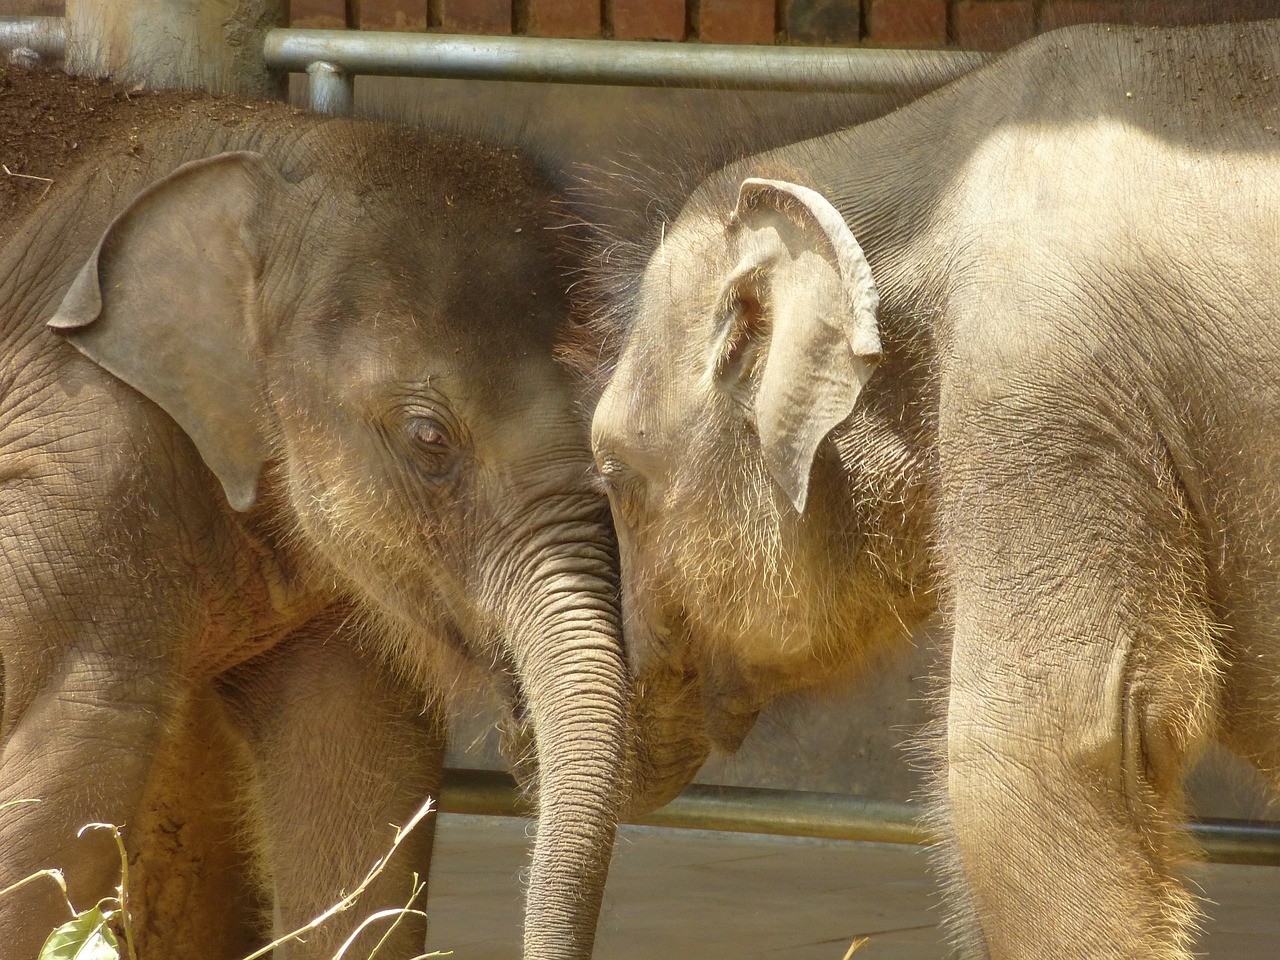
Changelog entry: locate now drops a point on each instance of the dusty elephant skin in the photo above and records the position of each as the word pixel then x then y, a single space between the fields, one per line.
pixel 1012 352
pixel 281 419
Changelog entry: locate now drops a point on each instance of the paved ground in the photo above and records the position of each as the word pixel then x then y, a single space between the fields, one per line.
pixel 714 896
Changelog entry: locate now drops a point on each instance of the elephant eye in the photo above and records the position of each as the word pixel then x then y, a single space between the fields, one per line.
pixel 431 446
pixel 427 433
pixel 611 471
pixel 623 486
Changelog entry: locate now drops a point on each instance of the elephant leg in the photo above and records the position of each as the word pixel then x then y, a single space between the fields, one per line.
pixel 1084 681
pixel 342 750
pixel 81 746
pixel 192 892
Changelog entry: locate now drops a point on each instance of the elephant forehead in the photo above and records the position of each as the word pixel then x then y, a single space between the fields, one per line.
pixel 393 363
pixel 664 361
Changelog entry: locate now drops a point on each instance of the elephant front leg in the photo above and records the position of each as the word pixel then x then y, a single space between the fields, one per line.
pixel 1084 682
pixel 344 752
pixel 81 747
pixel 191 889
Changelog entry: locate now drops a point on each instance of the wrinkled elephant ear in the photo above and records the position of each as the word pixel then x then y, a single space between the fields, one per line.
pixel 800 338
pixel 164 304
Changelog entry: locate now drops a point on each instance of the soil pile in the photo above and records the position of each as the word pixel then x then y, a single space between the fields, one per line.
pixel 50 122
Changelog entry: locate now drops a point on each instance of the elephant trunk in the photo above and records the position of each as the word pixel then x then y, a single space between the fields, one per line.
pixel 574 680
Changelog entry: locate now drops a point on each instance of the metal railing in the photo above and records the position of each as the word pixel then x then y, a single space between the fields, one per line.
pixel 346 53
pixel 829 816
pixel 333 58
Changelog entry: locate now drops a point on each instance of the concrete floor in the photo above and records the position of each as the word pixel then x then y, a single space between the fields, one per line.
pixel 718 896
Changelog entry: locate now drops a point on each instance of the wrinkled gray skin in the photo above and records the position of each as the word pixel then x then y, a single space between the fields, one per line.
pixel 1045 402
pixel 297 431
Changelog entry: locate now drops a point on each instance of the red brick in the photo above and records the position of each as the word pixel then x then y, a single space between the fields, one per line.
pixel 33 8
pixel 992 24
pixel 648 19
pixel 475 16
pixel 908 23
pixel 736 21
pixel 318 14
pixel 1172 13
pixel 1239 10
pixel 823 21
pixel 391 14
pixel 1062 13
pixel 564 18
pixel 1164 14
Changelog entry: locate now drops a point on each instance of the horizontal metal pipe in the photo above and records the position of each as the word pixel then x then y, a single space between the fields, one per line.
pixel 791 813
pixel 616 62
pixel 832 816
pixel 47 36
pixel 1254 842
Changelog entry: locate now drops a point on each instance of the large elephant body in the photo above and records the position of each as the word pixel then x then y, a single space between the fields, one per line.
pixel 282 426
pixel 1012 351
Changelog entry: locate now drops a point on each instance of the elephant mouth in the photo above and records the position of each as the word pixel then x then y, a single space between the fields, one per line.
pixel 666 744
pixel 728 727
pixel 731 703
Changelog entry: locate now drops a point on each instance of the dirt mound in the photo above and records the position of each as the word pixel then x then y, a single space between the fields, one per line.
pixel 50 122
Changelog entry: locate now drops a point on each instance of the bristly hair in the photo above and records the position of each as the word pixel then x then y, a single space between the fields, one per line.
pixel 625 164
pixel 618 209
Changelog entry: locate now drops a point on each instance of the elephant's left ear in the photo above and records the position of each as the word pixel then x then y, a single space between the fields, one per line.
pixel 801 336
pixel 165 303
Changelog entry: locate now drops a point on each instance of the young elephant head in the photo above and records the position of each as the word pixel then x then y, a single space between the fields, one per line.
pixel 765 478
pixel 358 340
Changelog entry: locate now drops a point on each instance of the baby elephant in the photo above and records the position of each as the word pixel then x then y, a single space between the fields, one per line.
pixel 1012 352
pixel 281 415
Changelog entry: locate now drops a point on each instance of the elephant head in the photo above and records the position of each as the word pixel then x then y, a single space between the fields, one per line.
pixel 356 335
pixel 757 556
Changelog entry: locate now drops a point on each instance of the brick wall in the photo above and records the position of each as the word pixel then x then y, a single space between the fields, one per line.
pixel 978 24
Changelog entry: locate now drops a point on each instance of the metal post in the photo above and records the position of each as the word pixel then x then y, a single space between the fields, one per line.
pixel 44 38
pixel 332 89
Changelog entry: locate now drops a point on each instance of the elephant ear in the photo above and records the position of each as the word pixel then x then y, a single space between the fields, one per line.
pixel 164 303
pixel 800 338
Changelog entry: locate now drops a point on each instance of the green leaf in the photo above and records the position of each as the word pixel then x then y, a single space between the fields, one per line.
pixel 87 937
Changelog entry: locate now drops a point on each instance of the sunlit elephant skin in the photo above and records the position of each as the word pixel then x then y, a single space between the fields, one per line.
pixel 1011 352
pixel 281 418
